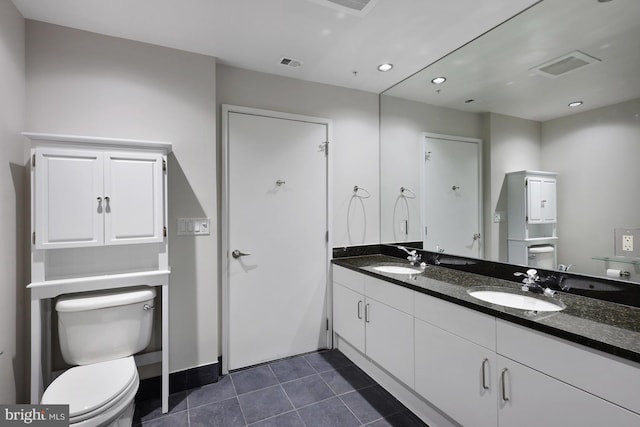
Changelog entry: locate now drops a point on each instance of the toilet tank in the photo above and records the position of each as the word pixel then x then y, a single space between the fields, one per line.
pixel 99 326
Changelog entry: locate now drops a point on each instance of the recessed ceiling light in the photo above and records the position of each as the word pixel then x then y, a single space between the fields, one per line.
pixel 438 80
pixel 385 67
pixel 575 103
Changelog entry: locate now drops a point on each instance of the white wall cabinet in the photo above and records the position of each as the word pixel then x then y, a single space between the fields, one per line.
pixel 381 330
pixel 93 198
pixel 532 218
pixel 541 199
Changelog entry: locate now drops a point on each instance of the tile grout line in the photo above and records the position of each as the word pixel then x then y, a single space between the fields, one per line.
pixel 236 397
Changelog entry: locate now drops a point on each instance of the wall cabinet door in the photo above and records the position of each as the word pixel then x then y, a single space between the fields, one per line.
pixel 348 316
pixel 541 200
pixel 529 398
pixel 93 198
pixel 68 198
pixel 455 375
pixel 389 339
pixel 133 187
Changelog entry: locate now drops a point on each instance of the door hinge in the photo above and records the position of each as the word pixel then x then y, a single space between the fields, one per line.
pixel 33 237
pixel 327 323
pixel 325 146
pixel 164 166
pixel 33 160
pixel 164 231
pixel 326 236
pixel 425 231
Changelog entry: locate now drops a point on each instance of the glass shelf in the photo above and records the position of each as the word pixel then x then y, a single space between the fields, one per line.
pixel 625 260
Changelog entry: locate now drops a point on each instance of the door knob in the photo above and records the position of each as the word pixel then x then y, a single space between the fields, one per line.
pixel 237 254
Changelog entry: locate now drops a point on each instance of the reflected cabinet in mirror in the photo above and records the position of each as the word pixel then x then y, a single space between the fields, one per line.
pixel 553 93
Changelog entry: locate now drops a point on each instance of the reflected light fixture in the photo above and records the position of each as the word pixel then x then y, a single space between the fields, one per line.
pixel 438 80
pixel 575 103
pixel 385 67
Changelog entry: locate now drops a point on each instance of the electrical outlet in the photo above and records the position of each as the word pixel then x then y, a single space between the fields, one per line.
pixel 627 242
pixel 498 216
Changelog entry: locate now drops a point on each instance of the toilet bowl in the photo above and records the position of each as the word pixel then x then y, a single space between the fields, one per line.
pixel 97 394
pixel 100 332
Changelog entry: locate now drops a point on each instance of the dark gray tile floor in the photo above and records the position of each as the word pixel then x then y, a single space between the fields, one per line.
pixel 322 389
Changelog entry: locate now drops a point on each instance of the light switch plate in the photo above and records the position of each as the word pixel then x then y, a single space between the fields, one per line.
pixel 194 226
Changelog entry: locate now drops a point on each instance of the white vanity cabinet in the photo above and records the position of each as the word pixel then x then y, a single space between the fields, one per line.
pixel 455 368
pixel 529 398
pixel 376 318
pixel 475 368
pixel 86 197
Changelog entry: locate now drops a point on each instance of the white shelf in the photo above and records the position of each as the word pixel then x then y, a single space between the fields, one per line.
pixel 53 288
pixel 84 140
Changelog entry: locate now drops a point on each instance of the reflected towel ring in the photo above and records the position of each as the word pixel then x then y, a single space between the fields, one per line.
pixel 410 194
pixel 364 193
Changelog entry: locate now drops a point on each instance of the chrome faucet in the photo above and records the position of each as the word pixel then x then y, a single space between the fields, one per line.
pixel 414 257
pixel 531 283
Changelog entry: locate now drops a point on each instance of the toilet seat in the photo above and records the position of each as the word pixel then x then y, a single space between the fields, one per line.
pixel 93 390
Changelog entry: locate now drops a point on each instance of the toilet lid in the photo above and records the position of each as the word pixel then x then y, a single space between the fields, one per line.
pixel 88 387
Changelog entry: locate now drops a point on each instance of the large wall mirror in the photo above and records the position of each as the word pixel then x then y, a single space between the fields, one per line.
pixel 511 89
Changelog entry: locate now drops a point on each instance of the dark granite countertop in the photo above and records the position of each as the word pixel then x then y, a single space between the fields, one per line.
pixel 606 326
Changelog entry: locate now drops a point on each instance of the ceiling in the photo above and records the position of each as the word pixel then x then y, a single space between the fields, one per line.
pixel 331 41
pixel 497 71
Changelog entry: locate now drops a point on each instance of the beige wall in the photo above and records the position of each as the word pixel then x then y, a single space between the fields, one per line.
pixel 512 144
pixel 597 154
pixel 13 195
pixel 354 146
pixel 401 127
pixel 87 84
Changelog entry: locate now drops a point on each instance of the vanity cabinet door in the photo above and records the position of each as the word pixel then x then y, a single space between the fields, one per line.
pixel 456 375
pixel 348 315
pixel 528 398
pixel 389 339
pixel 68 204
pixel 133 187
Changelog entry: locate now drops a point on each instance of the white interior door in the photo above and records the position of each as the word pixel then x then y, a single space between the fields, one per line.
pixel 277 216
pixel 451 187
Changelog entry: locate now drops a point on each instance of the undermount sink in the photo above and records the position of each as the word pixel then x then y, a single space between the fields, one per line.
pixel 506 298
pixel 397 269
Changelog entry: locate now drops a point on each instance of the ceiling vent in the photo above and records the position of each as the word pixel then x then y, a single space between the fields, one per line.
pixel 564 64
pixel 290 62
pixel 353 7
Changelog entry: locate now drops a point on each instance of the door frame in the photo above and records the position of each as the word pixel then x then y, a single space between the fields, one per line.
pixel 224 259
pixel 423 173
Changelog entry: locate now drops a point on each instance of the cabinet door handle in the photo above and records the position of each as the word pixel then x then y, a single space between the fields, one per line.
pixel 504 384
pixel 360 309
pixel 366 313
pixel 485 363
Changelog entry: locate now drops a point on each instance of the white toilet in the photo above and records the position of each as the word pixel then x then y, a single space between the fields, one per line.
pixel 100 332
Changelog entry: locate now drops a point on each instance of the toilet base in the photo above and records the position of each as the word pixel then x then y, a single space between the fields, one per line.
pixel 125 419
